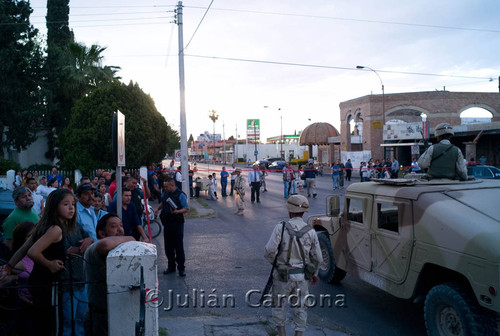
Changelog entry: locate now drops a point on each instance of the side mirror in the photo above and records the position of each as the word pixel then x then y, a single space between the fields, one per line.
pixel 333 205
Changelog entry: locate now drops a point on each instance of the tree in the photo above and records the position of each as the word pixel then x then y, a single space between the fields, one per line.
pixel 84 71
pixel 21 65
pixel 86 141
pixel 190 140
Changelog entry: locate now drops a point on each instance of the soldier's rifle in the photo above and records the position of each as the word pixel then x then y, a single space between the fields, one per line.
pixel 270 280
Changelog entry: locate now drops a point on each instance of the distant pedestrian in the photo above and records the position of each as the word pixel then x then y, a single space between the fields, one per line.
pixel 394 168
pixel 223 182
pixel 239 188
pixel 341 174
pixel 211 189
pixel 214 180
pixel 254 182
pixel 232 172
pixel 310 173
pixel 335 175
pixel 178 177
pixel 289 184
pixel 483 160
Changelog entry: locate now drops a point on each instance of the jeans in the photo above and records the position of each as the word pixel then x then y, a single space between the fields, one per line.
pixel 223 187
pixel 232 186
pixel 335 179
pixel 79 309
pixel 289 188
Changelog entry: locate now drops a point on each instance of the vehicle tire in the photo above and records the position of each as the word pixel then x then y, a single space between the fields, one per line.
pixel 327 269
pixel 451 310
pixel 155 228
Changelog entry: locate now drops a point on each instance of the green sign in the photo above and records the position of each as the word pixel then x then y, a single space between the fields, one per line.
pixel 253 129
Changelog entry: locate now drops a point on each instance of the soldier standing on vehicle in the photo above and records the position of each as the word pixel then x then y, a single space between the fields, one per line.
pixel 239 188
pixel 296 265
pixel 444 160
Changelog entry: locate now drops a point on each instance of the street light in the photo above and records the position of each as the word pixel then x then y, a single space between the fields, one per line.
pixel 282 154
pixel 383 92
pixel 213 116
pixel 383 99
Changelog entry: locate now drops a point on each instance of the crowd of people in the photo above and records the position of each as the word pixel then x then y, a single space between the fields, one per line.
pixel 44 250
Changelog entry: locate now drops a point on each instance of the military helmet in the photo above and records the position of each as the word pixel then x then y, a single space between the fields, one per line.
pixel 442 129
pixel 297 204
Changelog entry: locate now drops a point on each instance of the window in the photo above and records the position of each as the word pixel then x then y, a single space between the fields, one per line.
pixel 355 210
pixel 388 217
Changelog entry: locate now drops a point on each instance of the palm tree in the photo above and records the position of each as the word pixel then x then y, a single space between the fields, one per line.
pixel 85 71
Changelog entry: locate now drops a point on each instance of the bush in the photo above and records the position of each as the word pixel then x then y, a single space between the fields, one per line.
pixel 6 164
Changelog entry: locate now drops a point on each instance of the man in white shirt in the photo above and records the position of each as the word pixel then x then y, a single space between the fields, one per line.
pixel 254 183
pixel 37 198
pixel 43 189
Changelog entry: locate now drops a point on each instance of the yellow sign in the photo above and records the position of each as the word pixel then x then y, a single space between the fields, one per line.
pixel 377 125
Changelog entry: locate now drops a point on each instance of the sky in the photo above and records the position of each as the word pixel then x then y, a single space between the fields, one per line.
pixel 288 63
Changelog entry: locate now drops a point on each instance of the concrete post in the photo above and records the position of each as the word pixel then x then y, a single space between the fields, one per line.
pixel 470 150
pixel 123 274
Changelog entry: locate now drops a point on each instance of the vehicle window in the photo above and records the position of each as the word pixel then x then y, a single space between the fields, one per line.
pixel 496 172
pixel 388 217
pixel 355 210
pixel 488 173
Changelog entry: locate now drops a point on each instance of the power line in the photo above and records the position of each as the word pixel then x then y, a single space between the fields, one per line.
pixel 335 67
pixel 355 20
pixel 199 24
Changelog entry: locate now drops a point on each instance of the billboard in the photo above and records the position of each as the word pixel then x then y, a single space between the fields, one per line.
pixel 253 129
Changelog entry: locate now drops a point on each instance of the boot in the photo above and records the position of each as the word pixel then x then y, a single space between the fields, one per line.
pixel 298 333
pixel 281 331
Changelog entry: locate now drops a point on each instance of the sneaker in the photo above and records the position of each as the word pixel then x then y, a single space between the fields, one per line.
pixel 314 195
pixel 182 273
pixel 308 195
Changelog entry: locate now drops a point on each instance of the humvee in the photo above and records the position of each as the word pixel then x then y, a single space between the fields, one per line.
pixel 437 241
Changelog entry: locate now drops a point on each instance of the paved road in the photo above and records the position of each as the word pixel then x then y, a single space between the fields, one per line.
pixel 225 257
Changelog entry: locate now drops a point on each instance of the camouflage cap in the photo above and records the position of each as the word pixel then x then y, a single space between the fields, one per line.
pixel 442 129
pixel 297 204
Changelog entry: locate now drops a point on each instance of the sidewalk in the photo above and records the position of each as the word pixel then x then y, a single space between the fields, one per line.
pixel 231 326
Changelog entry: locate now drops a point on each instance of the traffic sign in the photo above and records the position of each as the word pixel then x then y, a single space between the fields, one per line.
pixel 256 153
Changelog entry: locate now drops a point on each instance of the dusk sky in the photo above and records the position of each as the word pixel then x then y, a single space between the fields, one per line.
pixel 298 58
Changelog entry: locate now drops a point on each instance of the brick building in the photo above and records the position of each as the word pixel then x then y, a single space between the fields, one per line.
pixel 405 110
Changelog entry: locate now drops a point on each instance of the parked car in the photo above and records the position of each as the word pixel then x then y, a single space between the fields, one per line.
pixel 264 162
pixel 7 204
pixel 271 160
pixel 277 165
pixel 483 172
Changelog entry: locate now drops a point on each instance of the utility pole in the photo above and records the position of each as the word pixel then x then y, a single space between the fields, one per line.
pixel 184 152
pixel 223 143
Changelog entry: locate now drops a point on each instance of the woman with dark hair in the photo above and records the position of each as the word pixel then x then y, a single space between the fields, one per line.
pixel 67 184
pixel 52 185
pixel 49 252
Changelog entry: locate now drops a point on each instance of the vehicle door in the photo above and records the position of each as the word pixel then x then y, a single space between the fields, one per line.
pixel 356 230
pixel 392 238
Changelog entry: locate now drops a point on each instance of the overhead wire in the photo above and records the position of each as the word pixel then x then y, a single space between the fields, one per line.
pixel 199 24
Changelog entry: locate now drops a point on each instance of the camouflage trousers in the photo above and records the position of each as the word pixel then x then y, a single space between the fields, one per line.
pixel 291 294
pixel 239 202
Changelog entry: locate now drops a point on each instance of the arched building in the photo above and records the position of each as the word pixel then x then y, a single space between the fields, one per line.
pixel 326 137
pixel 403 123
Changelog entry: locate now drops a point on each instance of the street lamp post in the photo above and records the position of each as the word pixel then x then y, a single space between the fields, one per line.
pixel 213 116
pixel 383 98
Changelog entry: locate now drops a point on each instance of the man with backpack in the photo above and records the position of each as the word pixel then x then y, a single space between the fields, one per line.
pixel 294 248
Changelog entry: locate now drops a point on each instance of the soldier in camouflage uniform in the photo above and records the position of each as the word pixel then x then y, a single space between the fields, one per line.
pixel 297 264
pixel 443 159
pixel 239 188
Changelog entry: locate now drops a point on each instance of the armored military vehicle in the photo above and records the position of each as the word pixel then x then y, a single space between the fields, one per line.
pixel 437 241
